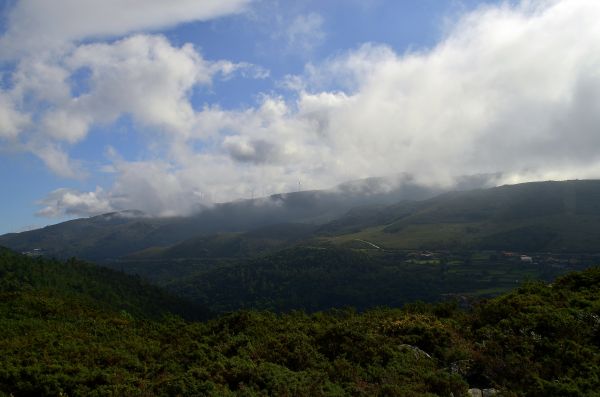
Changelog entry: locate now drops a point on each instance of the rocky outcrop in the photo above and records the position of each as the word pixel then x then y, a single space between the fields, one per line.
pixel 482 392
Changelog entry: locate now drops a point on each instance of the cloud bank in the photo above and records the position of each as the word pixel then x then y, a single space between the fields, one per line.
pixel 511 89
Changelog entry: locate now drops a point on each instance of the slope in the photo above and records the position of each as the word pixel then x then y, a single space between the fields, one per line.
pixel 76 282
pixel 231 245
pixel 321 277
pixel 114 235
pixel 539 216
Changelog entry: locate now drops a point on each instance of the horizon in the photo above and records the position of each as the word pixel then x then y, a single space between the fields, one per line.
pixel 169 108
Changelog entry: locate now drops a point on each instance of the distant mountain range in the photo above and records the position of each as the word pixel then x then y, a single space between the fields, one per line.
pixel 118 234
pixel 394 214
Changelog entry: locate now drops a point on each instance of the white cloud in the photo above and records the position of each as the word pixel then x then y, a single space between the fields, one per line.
pixel 512 89
pixel 57 160
pixel 12 121
pixel 35 25
pixel 66 80
pixel 71 202
pixel 61 125
pixel 305 32
pixel 143 76
pixel 154 187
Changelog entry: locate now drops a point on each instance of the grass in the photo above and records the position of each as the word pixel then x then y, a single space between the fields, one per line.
pixel 560 233
pixel 410 237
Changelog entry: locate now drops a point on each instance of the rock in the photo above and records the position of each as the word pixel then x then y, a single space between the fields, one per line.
pixel 475 393
pixel 482 392
pixel 418 352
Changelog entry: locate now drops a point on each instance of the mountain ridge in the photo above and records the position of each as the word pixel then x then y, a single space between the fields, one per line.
pixel 110 236
pixel 535 216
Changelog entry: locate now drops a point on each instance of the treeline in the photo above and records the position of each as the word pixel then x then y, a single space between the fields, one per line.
pixel 319 278
pixel 97 286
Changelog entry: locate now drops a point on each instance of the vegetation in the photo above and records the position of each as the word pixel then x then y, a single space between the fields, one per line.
pixel 322 277
pixel 99 287
pixel 231 245
pixel 539 216
pixel 63 336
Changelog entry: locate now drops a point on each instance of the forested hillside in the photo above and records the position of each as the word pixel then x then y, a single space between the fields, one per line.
pixel 82 283
pixel 538 216
pixel 539 340
pixel 316 278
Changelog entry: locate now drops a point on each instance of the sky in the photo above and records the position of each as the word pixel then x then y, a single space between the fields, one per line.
pixel 165 107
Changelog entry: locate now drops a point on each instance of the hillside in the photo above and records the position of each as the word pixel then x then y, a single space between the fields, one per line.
pixel 115 235
pixel 372 255
pixel 539 340
pixel 313 278
pixel 541 216
pixel 535 217
pixel 232 245
pixel 82 283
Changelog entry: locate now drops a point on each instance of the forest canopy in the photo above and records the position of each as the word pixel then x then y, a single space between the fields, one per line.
pixel 59 336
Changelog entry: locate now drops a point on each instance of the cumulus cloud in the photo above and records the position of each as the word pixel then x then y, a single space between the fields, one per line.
pixel 253 151
pixel 61 80
pixel 143 76
pixel 154 187
pixel 71 202
pixel 35 25
pixel 511 89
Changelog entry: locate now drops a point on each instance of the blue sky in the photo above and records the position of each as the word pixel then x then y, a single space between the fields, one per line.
pixel 173 106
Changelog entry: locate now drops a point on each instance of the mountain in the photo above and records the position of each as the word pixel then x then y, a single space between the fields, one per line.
pixel 118 234
pixel 371 255
pixel 538 216
pixel 532 217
